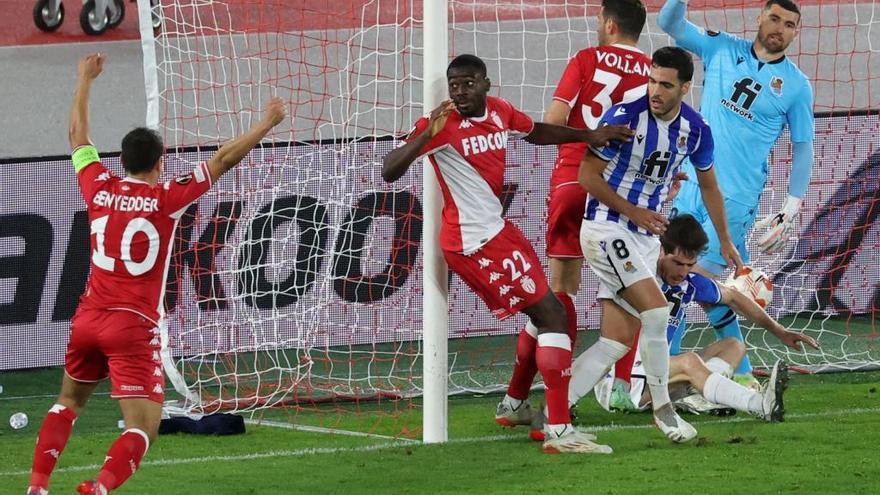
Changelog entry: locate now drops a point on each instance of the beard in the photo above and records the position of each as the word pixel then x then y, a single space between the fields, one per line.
pixel 772 43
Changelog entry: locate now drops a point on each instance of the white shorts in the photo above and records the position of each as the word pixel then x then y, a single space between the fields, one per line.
pixel 618 257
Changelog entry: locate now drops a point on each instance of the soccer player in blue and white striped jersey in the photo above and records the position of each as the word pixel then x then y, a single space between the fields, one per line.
pixel 628 184
pixel 751 92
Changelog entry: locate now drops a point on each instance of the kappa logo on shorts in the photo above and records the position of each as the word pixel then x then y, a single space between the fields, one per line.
pixel 484 262
pixel 504 289
pixel 157 371
pixel 154 341
pixel 628 267
pixel 514 301
pixel 156 356
pixel 157 389
pixel 528 284
pixel 493 277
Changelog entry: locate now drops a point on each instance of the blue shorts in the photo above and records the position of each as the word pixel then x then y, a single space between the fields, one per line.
pixel 740 219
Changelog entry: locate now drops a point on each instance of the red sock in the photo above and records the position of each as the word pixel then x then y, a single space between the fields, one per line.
pixel 624 366
pixel 525 368
pixel 123 458
pixel 51 441
pixel 571 313
pixel 554 361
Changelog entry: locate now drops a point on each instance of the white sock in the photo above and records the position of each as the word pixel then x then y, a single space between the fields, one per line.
pixel 592 365
pixel 655 353
pixel 720 366
pixel 724 391
pixel 513 403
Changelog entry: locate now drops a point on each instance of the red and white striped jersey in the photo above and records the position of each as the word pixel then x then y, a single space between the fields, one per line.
pixel 132 228
pixel 469 155
pixel 596 79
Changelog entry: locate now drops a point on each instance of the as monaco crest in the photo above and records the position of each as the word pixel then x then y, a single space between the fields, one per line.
pixel 528 284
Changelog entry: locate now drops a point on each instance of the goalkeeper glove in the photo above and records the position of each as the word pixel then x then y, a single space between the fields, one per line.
pixel 778 226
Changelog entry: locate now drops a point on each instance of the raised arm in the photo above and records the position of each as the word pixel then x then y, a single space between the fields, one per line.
pixel 745 306
pixel 231 153
pixel 544 133
pixel 591 178
pixel 398 161
pixel 672 19
pixel 88 70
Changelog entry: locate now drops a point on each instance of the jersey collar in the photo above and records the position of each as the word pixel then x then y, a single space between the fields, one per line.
pixel 628 47
pixel 133 180
pixel 762 62
pixel 481 118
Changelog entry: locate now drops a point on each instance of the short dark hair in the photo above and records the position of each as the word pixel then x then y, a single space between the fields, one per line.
pixel 685 234
pixel 629 15
pixel 468 61
pixel 673 57
pixel 141 149
pixel 785 4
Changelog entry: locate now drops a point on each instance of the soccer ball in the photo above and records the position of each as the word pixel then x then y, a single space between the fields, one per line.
pixel 754 284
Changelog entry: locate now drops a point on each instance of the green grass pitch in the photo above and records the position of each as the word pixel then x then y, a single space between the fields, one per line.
pixel 828 444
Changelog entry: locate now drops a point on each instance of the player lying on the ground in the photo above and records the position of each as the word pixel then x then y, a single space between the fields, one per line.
pixel 465 140
pixel 709 371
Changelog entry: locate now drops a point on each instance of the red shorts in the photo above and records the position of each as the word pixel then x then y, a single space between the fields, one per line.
pixel 120 344
pixel 565 212
pixel 506 273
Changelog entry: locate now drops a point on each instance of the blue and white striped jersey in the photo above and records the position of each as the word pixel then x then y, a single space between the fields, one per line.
pixel 695 288
pixel 642 170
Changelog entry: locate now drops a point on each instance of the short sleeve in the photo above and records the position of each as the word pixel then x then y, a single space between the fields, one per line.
pixel 704 154
pixel 90 172
pixel 520 124
pixel 616 115
pixel 706 290
pixel 800 118
pixel 184 190
pixel 572 80
pixel 419 127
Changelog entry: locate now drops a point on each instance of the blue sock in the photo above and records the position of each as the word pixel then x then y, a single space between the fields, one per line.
pixel 675 337
pixel 726 325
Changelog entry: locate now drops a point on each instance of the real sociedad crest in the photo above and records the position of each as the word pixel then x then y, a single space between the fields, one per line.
pixel 776 85
pixel 682 144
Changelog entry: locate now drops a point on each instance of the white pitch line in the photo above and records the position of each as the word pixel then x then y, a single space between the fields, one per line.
pixel 319 429
pixel 399 444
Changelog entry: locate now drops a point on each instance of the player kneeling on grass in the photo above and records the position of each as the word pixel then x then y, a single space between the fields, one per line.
pixel 115 330
pixel 465 140
pixel 710 370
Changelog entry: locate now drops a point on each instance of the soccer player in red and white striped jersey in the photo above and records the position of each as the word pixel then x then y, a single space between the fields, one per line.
pixel 115 330
pixel 466 142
